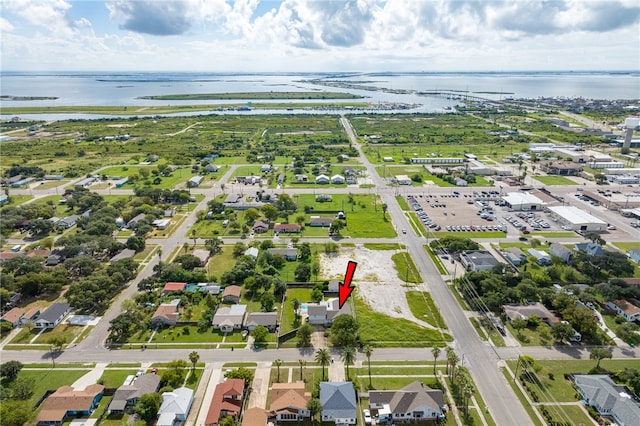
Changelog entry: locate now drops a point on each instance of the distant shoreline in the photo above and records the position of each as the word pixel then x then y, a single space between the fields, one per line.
pixel 251 95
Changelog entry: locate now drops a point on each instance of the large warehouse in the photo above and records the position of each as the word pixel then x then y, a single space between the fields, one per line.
pixel 523 201
pixel 578 220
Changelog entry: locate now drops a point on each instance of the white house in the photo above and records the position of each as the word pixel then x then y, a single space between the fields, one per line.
pixel 626 309
pixel 175 407
pixel 53 315
pixel 322 179
pixel 337 179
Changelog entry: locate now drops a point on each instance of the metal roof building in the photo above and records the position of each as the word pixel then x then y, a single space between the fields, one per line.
pixel 577 219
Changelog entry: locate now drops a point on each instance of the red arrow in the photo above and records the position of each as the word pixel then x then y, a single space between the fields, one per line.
pixel 345 287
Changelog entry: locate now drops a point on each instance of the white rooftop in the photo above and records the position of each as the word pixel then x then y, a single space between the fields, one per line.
pixel 516 198
pixel 575 216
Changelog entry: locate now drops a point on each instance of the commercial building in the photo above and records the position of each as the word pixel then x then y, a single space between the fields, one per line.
pixel 522 201
pixel 577 219
pixel 478 260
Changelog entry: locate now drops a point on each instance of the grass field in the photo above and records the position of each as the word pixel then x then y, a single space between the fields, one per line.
pixel 554 180
pixel 423 308
pixel 625 246
pixel 407 270
pixel 384 331
pixel 115 378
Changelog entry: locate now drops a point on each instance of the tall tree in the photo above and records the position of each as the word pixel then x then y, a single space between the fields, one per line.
pixel 194 357
pixel 599 354
pixel 348 356
pixel 436 353
pixel 278 363
pixel 368 351
pixel 323 358
pixel 314 406
pixel 148 406
pixel 302 363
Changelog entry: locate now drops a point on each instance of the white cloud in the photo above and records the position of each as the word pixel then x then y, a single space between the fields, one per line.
pixel 5 26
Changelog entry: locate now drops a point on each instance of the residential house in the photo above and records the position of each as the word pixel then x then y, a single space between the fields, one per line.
pixel 634 254
pixel 260 227
pixel 169 213
pixel 173 286
pixel 559 250
pixel 351 180
pixel 323 313
pixel 265 168
pixel 166 314
pixel 526 311
pixel 541 257
pixel 54 259
pixel 515 256
pixel 124 254
pixel 203 255
pixel 324 222
pixel 287 228
pixel 13 317
pixel 287 253
pixel 608 398
pixel 53 315
pixel 592 249
pixel 322 179
pixel 321 198
pixel 626 309
pixel 265 319
pixel 161 224
pixel 302 178
pixel 289 402
pixel 255 417
pixel 334 286
pixel 134 220
pixel 337 179
pixel 280 179
pixel 67 222
pixel 195 181
pixel 231 294
pixel 211 168
pixel 414 402
pixel 30 316
pixel 403 180
pixel 66 402
pixel 226 402
pixel 175 407
pixel 252 251
pixel 478 260
pixel 126 396
pixel 338 401
pixel 227 319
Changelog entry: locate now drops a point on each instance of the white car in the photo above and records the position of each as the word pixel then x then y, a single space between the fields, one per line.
pixel 367 417
pixel 611 228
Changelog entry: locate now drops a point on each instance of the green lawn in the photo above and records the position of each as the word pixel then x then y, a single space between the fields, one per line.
pixel 384 331
pixel 303 295
pixel 554 180
pixel 626 246
pixel 221 263
pixel 423 308
pixel 384 246
pixel 50 379
pixel 115 378
pixel 560 389
pixel 407 270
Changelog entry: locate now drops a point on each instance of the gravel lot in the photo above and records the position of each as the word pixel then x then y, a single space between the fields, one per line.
pixel 376 279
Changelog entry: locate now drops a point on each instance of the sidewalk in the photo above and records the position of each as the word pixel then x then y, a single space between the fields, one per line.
pixel 91 377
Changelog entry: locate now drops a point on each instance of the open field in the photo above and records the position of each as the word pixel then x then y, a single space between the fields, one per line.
pixel 554 180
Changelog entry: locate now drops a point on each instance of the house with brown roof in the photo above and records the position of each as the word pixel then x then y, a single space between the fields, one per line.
pixel 231 294
pixel 626 309
pixel 289 402
pixel 66 402
pixel 414 402
pixel 260 227
pixel 287 227
pixel 321 221
pixel 31 315
pixel 166 313
pixel 173 286
pixel 226 402
pixel 13 317
pixel 203 255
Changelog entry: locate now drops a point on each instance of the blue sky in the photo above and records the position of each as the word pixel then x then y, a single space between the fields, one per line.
pixel 317 35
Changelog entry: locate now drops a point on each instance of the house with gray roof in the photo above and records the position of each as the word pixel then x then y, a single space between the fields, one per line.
pixel 67 222
pixel 127 396
pixel 559 250
pixel 227 319
pixel 287 253
pixel 124 254
pixel 338 401
pixel 478 260
pixel 515 256
pixel 415 401
pixel 53 315
pixel 608 398
pixel 265 319
pixel 323 313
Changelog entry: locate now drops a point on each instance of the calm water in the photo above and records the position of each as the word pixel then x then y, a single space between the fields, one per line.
pixel 124 89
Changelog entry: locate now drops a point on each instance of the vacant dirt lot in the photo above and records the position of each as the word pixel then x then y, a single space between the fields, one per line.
pixel 376 279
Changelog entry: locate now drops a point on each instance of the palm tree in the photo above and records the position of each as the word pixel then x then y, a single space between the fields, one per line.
pixel 348 357
pixel 323 358
pixel 436 353
pixel 278 363
pixel 302 363
pixel 295 303
pixel 193 235
pixel 368 350
pixel 453 362
pixel 194 357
